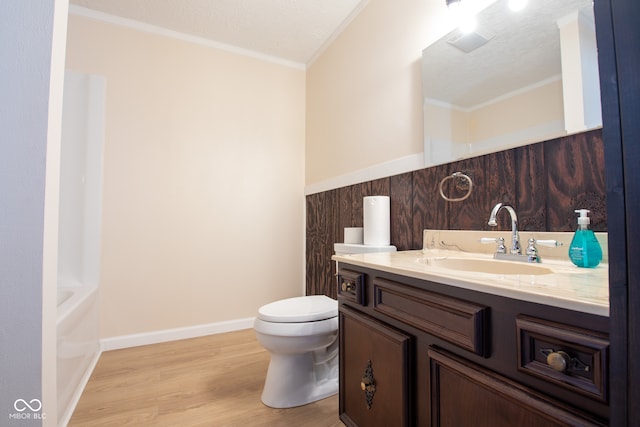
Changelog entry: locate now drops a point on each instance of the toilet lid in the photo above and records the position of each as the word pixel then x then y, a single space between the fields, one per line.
pixel 299 309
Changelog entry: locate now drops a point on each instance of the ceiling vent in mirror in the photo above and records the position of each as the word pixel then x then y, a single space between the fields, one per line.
pixel 468 42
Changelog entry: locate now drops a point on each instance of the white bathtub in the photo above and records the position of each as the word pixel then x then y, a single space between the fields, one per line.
pixel 78 345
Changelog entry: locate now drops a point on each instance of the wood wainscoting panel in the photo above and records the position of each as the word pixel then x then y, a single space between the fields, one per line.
pixel 322 231
pixel 544 182
pixel 531 187
pixel 575 173
pixel 402 233
pixel 429 209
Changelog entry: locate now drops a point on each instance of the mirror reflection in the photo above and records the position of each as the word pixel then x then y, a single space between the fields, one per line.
pixel 518 78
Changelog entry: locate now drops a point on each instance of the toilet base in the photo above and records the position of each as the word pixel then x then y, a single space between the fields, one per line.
pixel 299 379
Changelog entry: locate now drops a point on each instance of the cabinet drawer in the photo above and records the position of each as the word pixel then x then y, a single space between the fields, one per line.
pixel 465 394
pixel 351 287
pixel 459 322
pixel 375 372
pixel 570 357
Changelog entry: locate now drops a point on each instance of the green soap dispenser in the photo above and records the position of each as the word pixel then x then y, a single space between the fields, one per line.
pixel 585 250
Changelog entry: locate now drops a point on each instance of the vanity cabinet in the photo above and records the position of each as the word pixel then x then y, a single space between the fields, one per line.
pixel 416 352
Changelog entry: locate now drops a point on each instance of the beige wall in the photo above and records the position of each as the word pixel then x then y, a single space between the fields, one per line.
pixel 204 179
pixel 518 119
pixel 364 94
pixel 536 107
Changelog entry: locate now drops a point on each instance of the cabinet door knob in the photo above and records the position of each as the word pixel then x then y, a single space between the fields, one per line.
pixel 561 361
pixel 558 360
pixel 368 384
pixel 348 286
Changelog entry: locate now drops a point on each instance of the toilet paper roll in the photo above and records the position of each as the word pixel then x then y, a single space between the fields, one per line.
pixel 353 235
pixel 376 220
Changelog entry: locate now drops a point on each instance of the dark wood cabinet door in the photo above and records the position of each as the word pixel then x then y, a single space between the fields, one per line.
pixel 375 370
pixel 464 394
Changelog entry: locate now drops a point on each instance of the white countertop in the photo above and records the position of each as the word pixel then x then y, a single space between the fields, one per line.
pixel 580 289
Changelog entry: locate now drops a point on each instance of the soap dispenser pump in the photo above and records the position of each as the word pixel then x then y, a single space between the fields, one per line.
pixel 584 250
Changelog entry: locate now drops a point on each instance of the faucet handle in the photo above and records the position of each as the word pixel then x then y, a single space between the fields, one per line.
pixel 532 251
pixel 485 240
pixel 550 243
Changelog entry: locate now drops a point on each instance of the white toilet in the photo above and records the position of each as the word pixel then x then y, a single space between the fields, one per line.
pixel 302 336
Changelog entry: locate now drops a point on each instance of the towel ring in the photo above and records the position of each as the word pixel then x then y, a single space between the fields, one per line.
pixel 461 177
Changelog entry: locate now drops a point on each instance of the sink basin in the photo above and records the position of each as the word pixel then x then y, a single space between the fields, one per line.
pixel 490 266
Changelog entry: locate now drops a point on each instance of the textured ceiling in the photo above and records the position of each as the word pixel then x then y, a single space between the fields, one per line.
pixel 289 30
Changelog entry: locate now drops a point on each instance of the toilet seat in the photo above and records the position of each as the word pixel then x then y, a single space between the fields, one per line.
pixel 299 309
pixel 298 329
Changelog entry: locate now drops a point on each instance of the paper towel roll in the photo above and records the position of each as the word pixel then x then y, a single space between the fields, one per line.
pixel 376 221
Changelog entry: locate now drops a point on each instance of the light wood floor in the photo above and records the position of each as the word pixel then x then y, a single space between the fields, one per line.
pixel 210 381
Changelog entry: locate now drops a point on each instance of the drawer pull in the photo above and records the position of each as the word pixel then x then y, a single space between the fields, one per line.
pixel 558 360
pixel 348 287
pixel 368 384
pixel 561 361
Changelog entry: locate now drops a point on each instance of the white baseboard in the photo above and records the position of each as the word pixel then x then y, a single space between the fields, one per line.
pixel 155 337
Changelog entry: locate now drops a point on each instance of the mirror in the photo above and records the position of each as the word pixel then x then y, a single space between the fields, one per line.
pixel 518 78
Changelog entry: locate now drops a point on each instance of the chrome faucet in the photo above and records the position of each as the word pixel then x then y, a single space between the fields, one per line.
pixel 515 238
pixel 515 252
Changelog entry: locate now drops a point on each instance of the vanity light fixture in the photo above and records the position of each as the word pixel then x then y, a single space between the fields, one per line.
pixel 517 5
